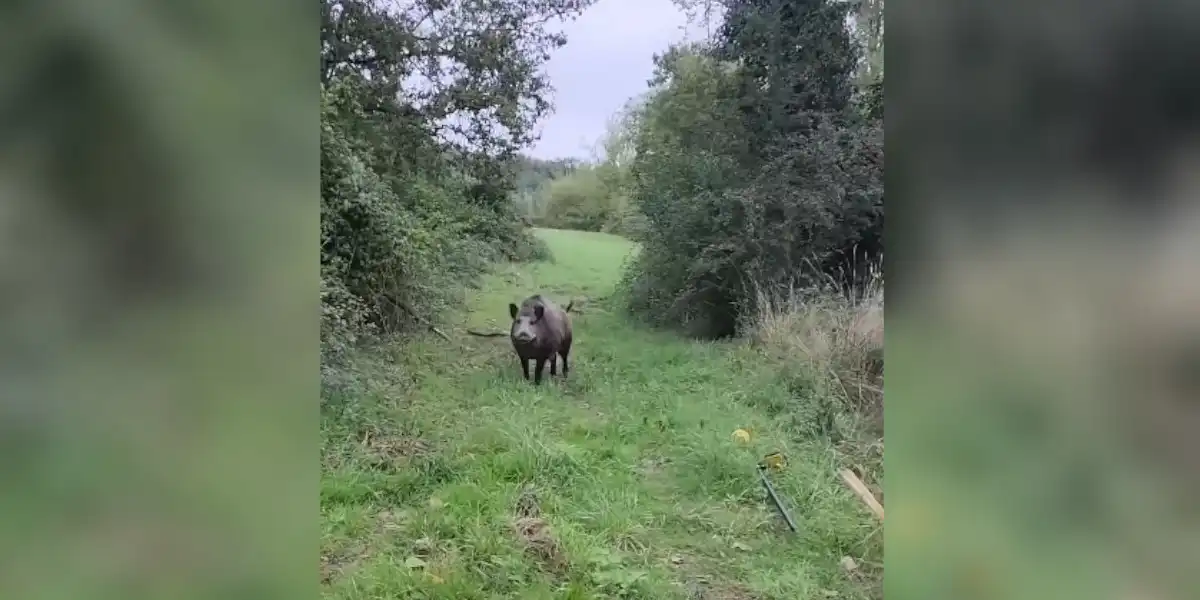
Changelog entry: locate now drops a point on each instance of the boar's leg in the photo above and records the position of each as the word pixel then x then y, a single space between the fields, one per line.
pixel 537 373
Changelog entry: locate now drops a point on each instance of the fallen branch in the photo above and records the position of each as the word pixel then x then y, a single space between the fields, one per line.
pixel 438 331
pixel 492 334
pixel 487 334
pixel 865 494
pixel 419 319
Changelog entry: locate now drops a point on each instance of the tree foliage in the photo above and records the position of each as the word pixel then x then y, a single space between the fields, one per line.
pixel 424 105
pixel 758 163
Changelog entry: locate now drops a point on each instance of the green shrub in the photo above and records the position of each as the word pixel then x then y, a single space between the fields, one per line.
pixel 399 245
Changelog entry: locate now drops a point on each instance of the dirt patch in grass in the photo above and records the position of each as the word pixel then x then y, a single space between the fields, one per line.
pixel 653 466
pixel 337 563
pixel 867 576
pixel 534 532
pixel 390 520
pixel 384 451
pixel 540 543
pixel 528 505
pixel 327 570
pixel 700 588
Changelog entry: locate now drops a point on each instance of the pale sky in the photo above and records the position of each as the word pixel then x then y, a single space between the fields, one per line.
pixel 607 60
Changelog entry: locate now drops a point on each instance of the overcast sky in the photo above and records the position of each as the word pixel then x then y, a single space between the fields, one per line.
pixel 608 58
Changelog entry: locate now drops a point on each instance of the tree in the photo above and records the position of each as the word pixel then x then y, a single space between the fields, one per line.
pixel 756 166
pixel 424 104
pixel 868 29
pixel 469 68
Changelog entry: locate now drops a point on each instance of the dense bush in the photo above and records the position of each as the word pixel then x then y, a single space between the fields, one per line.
pixel 386 244
pixel 755 168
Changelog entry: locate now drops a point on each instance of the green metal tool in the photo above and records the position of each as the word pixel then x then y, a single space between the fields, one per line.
pixel 762 475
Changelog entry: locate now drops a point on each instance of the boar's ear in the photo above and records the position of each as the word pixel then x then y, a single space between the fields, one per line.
pixel 539 311
pixel 512 310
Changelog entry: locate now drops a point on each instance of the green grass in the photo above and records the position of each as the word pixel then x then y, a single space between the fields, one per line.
pixel 628 465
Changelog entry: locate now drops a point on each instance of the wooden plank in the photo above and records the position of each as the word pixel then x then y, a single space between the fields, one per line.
pixel 865 494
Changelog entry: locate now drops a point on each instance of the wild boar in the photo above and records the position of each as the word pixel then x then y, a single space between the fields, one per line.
pixel 541 331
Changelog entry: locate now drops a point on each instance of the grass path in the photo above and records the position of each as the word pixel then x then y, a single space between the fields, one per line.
pixel 451 477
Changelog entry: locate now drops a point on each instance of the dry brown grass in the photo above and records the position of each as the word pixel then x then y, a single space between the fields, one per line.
pixel 535 533
pixel 839 336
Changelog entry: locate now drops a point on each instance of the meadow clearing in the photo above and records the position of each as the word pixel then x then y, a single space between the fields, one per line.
pixel 446 475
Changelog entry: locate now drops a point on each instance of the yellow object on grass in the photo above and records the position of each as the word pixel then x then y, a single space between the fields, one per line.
pixel 741 436
pixel 775 461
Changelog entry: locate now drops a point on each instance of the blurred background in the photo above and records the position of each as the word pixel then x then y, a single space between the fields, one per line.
pixel 158 177
pixel 1044 272
pixel 158 170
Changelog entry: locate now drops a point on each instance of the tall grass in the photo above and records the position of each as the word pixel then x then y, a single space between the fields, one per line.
pixel 826 342
pixel 834 333
pixel 837 328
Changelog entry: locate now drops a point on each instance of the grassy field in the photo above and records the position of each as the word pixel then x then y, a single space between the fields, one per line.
pixel 448 476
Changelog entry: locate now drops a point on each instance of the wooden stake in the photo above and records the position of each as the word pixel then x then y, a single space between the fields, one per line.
pixel 865 494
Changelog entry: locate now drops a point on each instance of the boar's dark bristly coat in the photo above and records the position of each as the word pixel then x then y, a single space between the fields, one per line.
pixel 540 331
